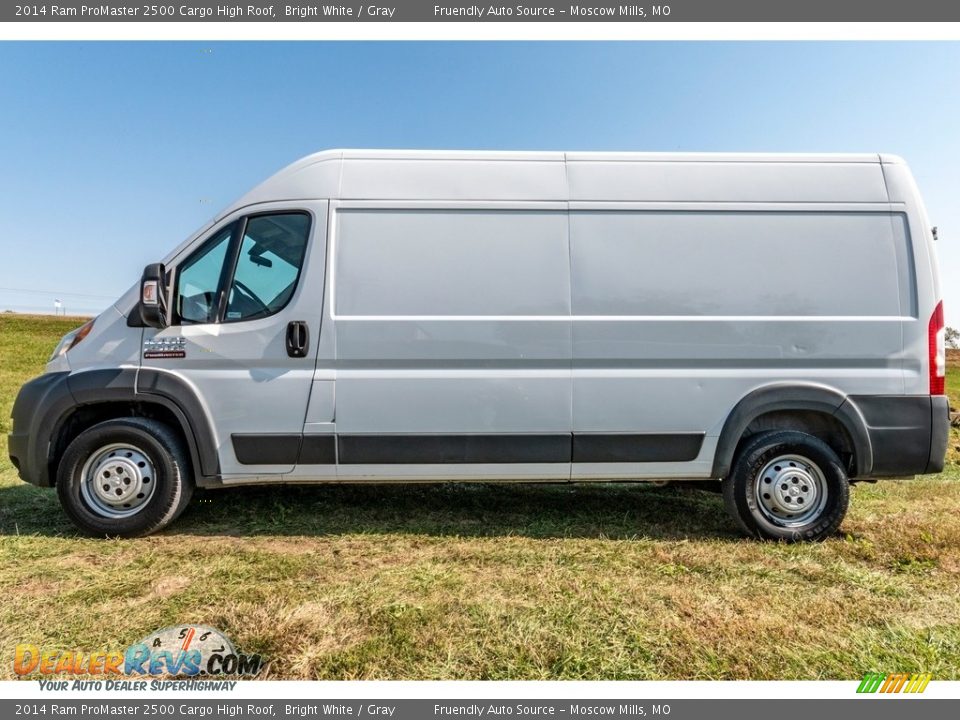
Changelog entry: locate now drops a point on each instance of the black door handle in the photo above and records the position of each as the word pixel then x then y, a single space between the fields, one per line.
pixel 298 339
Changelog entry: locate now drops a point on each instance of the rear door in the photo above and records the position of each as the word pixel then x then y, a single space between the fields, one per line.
pixel 235 295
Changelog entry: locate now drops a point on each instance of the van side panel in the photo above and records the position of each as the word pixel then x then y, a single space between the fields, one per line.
pixel 678 314
pixel 452 324
pixel 455 263
pixel 715 263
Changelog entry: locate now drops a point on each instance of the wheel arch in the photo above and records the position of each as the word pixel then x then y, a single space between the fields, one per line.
pixel 809 406
pixel 128 392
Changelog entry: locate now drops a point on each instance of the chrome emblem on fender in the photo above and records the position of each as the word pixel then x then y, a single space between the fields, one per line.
pixel 161 347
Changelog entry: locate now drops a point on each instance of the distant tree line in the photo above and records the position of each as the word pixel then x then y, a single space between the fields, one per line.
pixel 952 338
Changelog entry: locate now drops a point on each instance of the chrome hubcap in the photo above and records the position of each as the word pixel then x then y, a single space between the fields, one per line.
pixel 118 480
pixel 790 491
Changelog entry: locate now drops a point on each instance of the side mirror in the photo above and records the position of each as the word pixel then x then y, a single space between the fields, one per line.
pixel 153 296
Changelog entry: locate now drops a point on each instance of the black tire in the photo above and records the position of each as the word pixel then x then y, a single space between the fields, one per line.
pixel 165 464
pixel 772 500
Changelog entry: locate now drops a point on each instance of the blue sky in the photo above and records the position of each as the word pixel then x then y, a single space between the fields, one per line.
pixel 112 153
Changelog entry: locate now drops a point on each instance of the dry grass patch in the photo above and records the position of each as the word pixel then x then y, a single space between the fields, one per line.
pixel 467 582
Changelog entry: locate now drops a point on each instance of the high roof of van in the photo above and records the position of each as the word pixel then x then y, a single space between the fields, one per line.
pixel 520 176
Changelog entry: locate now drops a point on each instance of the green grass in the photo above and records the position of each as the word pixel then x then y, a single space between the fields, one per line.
pixel 953 378
pixel 953 392
pixel 470 582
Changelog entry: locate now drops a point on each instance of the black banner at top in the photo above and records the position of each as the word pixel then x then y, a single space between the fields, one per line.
pixel 528 11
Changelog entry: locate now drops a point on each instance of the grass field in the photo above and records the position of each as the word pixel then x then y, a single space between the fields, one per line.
pixel 473 582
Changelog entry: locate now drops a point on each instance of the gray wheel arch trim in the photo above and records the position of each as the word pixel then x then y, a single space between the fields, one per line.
pixel 793 396
pixel 95 387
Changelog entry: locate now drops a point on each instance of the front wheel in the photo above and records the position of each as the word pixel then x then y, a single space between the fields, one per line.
pixel 787 485
pixel 124 478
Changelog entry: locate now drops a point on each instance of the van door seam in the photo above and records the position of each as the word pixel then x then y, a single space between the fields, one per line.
pixel 573 424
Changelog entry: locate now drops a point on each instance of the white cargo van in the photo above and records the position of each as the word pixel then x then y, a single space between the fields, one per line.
pixel 773 322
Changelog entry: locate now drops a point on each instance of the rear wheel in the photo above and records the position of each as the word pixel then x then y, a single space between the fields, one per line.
pixel 787 485
pixel 124 478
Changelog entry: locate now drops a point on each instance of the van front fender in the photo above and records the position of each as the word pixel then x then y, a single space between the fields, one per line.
pixel 45 404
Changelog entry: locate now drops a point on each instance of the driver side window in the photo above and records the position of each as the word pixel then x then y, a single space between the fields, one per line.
pixel 257 260
pixel 268 266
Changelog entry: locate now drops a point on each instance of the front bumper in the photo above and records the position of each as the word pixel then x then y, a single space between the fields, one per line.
pixel 39 405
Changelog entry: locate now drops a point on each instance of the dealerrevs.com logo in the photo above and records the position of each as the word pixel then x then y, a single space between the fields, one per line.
pixel 180 651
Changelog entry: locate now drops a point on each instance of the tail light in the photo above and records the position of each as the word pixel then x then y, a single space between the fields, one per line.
pixel 936 345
